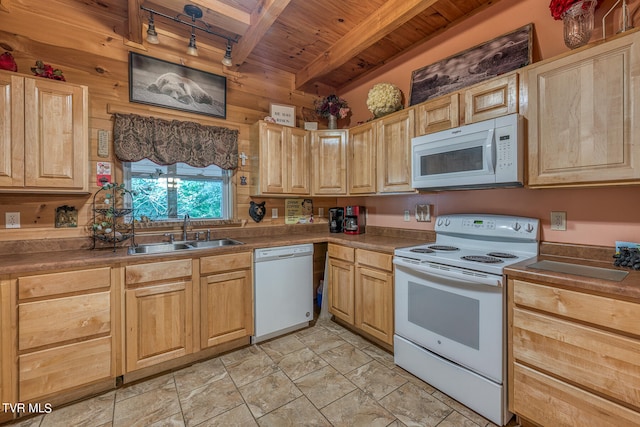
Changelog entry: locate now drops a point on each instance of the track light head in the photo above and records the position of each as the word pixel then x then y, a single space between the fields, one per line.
pixel 192 49
pixel 152 35
pixel 227 56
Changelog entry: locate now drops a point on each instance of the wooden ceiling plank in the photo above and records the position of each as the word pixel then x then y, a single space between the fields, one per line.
pixel 261 20
pixel 383 21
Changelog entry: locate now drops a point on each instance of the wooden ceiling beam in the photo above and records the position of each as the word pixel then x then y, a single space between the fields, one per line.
pixel 261 20
pixel 392 15
pixel 135 22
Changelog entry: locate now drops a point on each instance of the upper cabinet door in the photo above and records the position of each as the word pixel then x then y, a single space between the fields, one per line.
pixel 494 98
pixel 329 159
pixel 394 135
pixel 11 131
pixel 299 176
pixel 362 159
pixel 584 117
pixel 273 168
pixel 437 115
pixel 55 135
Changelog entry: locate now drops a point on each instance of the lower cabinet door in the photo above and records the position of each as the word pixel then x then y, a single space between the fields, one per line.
pixel 159 325
pixel 226 307
pixel 374 303
pixel 62 368
pixel 341 290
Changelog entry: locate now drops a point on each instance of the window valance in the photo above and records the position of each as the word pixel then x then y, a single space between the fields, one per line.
pixel 166 142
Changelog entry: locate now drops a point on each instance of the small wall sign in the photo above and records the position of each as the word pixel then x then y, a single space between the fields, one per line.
pixel 283 114
pixel 103 173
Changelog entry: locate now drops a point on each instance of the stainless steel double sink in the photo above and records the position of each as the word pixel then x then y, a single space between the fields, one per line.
pixel 165 247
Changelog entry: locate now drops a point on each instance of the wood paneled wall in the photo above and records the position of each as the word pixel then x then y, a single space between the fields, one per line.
pixel 91 49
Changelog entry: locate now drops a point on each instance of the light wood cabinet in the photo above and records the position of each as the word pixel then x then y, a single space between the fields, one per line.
pixel 573 356
pixel 44 139
pixel 8 379
pixel 361 290
pixel 362 159
pixel 374 294
pixel 159 310
pixel 280 160
pixel 66 332
pixel 341 291
pixel 226 298
pixel 329 162
pixel 583 116
pixel 486 100
pixel 439 114
pixel 393 140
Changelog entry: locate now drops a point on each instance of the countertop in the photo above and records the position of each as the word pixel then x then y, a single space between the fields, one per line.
pixel 69 259
pixel 628 288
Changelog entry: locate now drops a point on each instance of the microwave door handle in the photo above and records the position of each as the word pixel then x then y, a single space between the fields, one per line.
pixel 489 146
pixel 460 275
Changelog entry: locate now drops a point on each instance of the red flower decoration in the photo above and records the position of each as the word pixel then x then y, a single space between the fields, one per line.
pixel 7 62
pixel 45 70
pixel 559 7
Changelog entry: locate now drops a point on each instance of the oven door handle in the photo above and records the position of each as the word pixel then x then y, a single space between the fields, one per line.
pixel 439 270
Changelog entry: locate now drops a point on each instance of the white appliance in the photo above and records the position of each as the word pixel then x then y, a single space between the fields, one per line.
pixel 283 290
pixel 450 307
pixel 480 155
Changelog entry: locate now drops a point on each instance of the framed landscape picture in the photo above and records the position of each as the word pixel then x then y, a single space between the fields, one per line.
pixel 498 56
pixel 164 84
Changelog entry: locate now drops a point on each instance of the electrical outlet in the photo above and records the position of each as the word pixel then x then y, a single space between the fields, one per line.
pixel 558 221
pixel 274 213
pixel 407 215
pixel 12 220
pixel 423 213
pixel 320 212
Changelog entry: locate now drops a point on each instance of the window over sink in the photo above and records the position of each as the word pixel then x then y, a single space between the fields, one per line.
pixel 170 192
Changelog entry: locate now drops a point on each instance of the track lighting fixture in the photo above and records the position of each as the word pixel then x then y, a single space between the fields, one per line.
pixel 195 13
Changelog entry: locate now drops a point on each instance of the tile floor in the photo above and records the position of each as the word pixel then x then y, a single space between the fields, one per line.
pixel 321 376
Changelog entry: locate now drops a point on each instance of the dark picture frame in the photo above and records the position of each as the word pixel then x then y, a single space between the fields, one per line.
pixel 482 62
pixel 164 84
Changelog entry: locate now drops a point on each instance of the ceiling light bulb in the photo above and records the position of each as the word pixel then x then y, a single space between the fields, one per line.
pixel 192 49
pixel 227 56
pixel 152 35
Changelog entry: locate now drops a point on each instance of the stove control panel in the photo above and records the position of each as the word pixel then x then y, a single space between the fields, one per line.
pixel 489 225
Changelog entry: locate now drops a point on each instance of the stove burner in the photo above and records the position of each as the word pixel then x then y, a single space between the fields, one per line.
pixel 501 255
pixel 422 250
pixel 482 258
pixel 443 248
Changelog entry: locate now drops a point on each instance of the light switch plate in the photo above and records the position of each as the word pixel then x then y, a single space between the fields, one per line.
pixel 274 213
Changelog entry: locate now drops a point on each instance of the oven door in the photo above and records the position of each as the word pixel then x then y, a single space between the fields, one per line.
pixel 452 313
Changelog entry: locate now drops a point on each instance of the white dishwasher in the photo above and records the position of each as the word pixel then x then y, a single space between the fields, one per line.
pixel 283 290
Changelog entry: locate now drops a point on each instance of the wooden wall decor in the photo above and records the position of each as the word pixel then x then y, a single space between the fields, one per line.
pixel 498 56
pixel 156 82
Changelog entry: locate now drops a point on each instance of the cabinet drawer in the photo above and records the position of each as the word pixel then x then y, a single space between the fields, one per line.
pixel 62 368
pixel 217 263
pixel 341 252
pixel 608 312
pixel 550 402
pixel 374 259
pixel 157 271
pixel 44 285
pixel 600 361
pixel 63 319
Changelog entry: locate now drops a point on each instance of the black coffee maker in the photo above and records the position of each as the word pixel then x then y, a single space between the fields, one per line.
pixel 336 220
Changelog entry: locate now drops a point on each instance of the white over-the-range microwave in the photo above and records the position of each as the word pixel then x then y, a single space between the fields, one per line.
pixel 480 155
